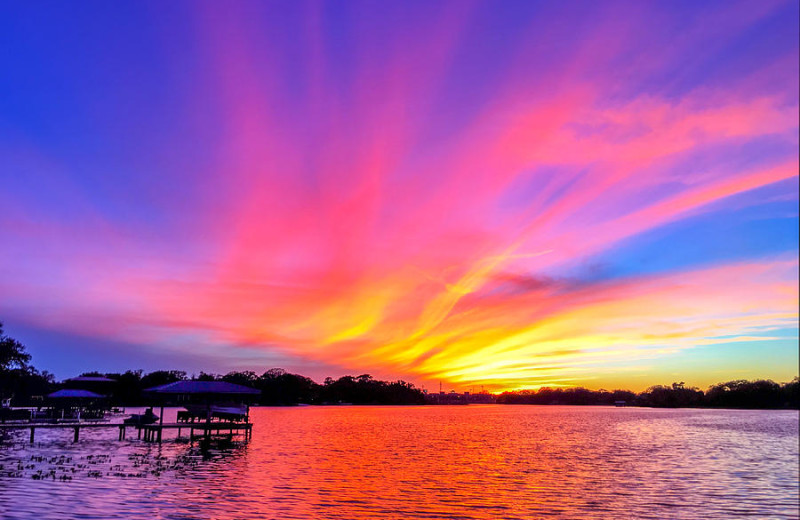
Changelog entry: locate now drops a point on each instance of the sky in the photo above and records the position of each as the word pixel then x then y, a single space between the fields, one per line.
pixel 500 195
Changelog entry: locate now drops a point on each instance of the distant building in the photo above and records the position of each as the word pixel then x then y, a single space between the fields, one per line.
pixel 453 397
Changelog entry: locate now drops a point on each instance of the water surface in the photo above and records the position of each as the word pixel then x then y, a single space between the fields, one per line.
pixel 447 462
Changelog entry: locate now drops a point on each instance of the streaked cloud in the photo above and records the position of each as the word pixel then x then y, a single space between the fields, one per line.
pixel 344 186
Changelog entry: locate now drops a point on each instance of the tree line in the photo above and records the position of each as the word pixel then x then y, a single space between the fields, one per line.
pixel 732 394
pixel 277 386
pixel 20 380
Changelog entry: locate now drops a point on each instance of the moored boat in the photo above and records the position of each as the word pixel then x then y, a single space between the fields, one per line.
pixel 148 417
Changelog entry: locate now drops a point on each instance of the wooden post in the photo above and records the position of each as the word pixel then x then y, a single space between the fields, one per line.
pixel 160 424
pixel 32 430
pixel 247 422
pixel 75 438
pixel 138 432
pixel 208 420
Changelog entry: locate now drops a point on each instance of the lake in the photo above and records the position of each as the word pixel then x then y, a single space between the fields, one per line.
pixel 444 462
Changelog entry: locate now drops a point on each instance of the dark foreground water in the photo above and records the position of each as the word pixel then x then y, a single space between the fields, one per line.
pixel 470 462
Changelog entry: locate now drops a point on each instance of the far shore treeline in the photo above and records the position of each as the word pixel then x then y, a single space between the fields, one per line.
pixel 732 394
pixel 26 385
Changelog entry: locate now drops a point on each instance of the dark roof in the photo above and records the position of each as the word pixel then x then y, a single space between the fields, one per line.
pixel 74 394
pixel 203 387
pixel 92 379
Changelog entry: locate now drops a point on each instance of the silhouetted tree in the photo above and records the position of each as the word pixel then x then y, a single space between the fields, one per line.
pixel 279 387
pixel 128 388
pixel 247 378
pixel 790 394
pixel 162 377
pixel 622 395
pixel 12 353
pixel 673 396
pixel 746 394
pixel 366 390
pixel 17 378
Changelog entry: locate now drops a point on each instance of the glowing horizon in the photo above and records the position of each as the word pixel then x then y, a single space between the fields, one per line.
pixel 503 195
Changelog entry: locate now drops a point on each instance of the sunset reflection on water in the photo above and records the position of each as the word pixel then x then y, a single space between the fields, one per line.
pixel 471 462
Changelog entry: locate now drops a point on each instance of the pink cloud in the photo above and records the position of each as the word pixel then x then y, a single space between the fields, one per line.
pixel 338 233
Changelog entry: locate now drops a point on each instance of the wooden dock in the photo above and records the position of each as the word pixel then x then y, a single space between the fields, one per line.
pixel 152 432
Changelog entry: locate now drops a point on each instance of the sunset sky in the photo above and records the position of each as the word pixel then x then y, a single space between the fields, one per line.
pixel 505 194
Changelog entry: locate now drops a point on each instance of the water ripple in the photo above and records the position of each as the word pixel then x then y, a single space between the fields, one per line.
pixel 474 462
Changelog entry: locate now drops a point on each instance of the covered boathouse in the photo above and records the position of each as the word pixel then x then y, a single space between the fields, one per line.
pixel 210 407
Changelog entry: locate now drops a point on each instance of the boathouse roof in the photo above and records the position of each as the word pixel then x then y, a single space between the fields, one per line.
pixel 74 394
pixel 91 379
pixel 203 387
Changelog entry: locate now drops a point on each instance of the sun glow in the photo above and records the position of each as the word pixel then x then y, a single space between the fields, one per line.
pixel 377 204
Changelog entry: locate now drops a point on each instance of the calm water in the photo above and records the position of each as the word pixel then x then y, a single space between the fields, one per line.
pixel 471 462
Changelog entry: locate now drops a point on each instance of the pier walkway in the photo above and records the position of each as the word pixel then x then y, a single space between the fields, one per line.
pixel 152 432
